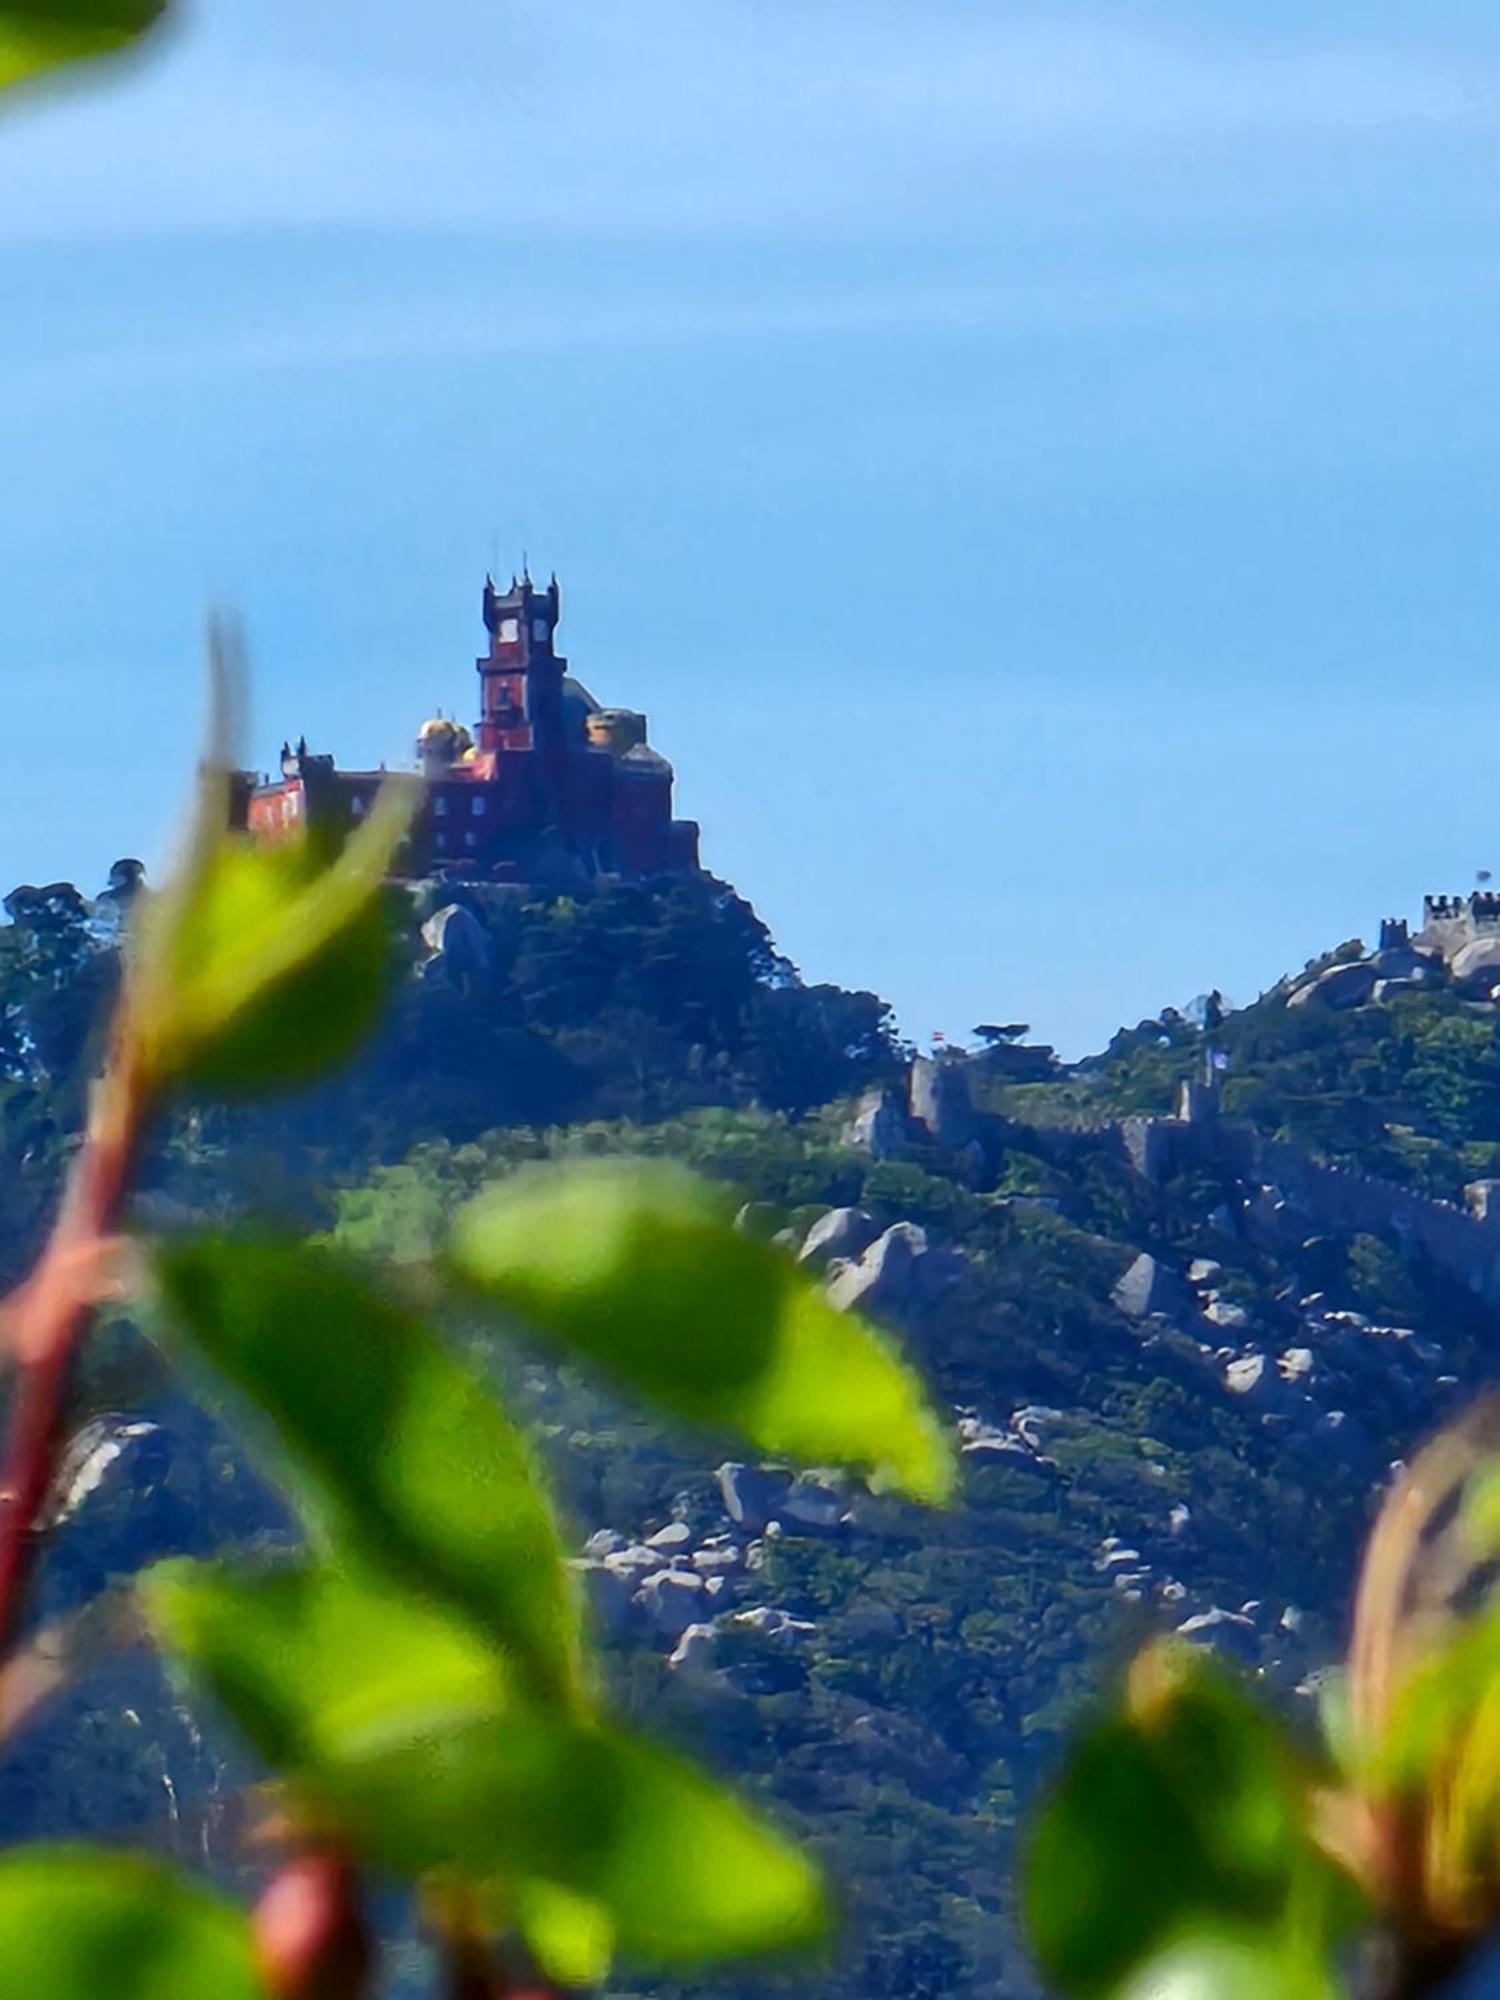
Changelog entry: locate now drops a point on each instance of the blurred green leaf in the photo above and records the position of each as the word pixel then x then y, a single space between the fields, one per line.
pixel 571 1937
pixel 38 35
pixel 1480 1518
pixel 307 1013
pixel 267 963
pixel 432 1758
pixel 1185 1814
pixel 680 1868
pixel 1220 1967
pixel 1433 1712
pixel 1335 1719
pixel 634 1268
pixel 1436 1716
pixel 1440 1756
pixel 311 1660
pixel 410 1459
pixel 79 1923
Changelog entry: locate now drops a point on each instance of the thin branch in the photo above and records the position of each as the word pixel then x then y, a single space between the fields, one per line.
pixel 47 1317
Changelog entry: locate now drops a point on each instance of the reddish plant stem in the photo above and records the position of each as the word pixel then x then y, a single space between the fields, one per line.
pixel 49 1313
pixel 311 1940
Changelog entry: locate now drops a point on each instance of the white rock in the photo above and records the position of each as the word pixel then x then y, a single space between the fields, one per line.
pixel 1229 1631
pixel 695 1649
pixel 751 1493
pixel 885 1274
pixel 1029 1422
pixel 771 1622
pixel 635 1557
pixel 458 942
pixel 809 1505
pixel 845 1233
pixel 1251 1376
pixel 996 1445
pixel 674 1598
pixel 1226 1315
pixel 715 1562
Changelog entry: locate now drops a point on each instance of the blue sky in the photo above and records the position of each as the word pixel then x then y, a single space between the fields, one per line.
pixel 1037 465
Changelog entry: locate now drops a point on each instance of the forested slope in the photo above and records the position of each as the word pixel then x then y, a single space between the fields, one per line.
pixel 1198 1448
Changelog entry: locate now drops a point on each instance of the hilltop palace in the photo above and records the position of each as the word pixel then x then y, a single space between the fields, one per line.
pixel 550 787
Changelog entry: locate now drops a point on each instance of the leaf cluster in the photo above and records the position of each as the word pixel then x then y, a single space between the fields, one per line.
pixel 419 1677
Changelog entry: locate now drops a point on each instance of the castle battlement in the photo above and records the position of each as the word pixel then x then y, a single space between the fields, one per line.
pixel 1451 922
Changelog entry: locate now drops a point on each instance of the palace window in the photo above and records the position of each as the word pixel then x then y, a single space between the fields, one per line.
pixel 440 805
pixel 476 805
pixel 441 843
pixel 357 805
pixel 471 838
pixel 539 630
pixel 510 631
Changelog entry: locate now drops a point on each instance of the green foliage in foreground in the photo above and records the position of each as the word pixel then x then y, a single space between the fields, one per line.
pixel 418 1675
pixel 634 1271
pixel 418 1678
pixel 972 1645
pixel 421 1683
pixel 74 1921
pixel 1182 1820
pixel 41 35
pixel 420 1741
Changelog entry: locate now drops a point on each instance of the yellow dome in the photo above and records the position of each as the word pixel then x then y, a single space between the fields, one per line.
pixel 435 727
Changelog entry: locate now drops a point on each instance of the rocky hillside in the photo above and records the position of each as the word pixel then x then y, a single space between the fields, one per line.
pixel 1180 1355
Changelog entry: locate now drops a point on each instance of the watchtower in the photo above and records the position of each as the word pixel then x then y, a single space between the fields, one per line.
pixel 521 677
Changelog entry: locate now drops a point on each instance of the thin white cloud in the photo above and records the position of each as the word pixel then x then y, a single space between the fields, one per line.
pixel 422 330
pixel 672 115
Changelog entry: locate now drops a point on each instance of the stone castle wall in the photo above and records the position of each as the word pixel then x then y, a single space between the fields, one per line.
pixel 935 1106
pixel 1464 1245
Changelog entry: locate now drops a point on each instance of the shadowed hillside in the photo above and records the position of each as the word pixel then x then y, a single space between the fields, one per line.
pixel 1179 1368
